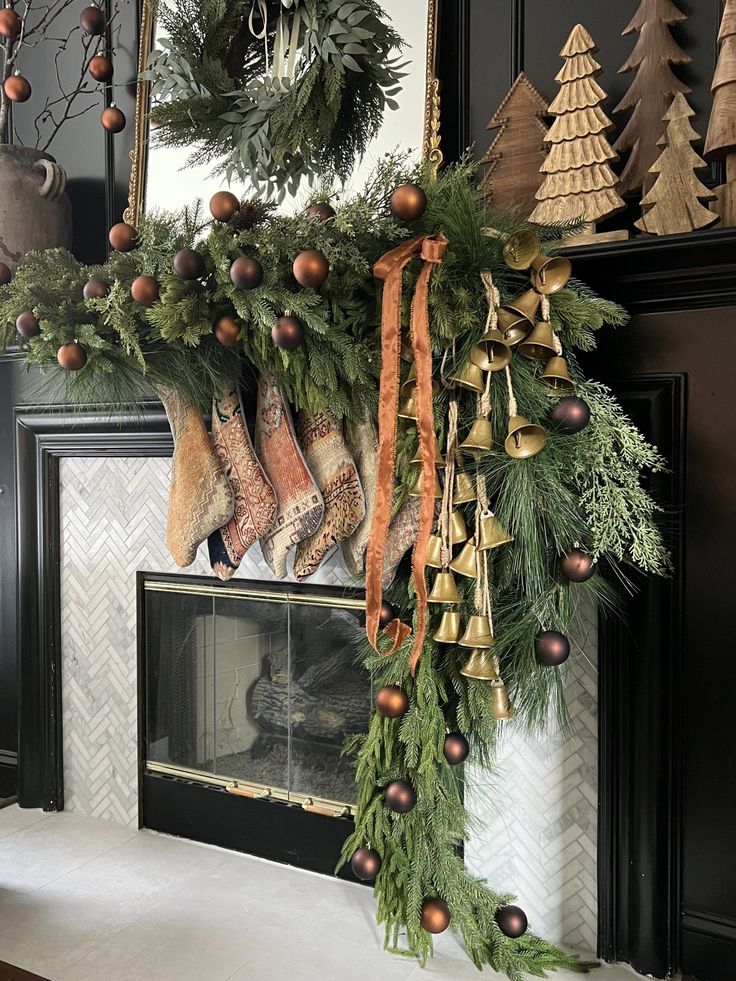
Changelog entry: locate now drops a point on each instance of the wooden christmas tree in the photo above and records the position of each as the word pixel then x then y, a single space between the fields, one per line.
pixel 579 181
pixel 518 152
pixel 652 89
pixel 720 143
pixel 673 203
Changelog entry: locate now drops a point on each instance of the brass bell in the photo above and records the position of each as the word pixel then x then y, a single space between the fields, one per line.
pixel 524 439
pixel 434 552
pixel 492 532
pixel 513 326
pixel 439 460
pixel 408 408
pixel 492 353
pixel 540 344
pixel 500 704
pixel 470 377
pixel 464 564
pixel 458 531
pixel 550 273
pixel 418 488
pixel 464 489
pixel 479 666
pixel 479 439
pixel 521 249
pixel 407 351
pixel 524 305
pixel 411 382
pixel 477 633
pixel 557 376
pixel 444 589
pixel 449 628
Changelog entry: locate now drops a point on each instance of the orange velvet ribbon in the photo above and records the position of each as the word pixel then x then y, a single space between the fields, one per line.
pixel 390 269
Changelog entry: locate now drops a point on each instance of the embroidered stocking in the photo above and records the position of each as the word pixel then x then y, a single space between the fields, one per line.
pixel 328 457
pixel 364 448
pixel 255 501
pixel 200 498
pixel 402 534
pixel 299 502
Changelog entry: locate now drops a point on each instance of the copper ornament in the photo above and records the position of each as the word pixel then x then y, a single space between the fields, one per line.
pixel 246 273
pixel 17 88
pixel 456 748
pixel 551 648
pixel 26 324
pixel 5 274
pixel 288 333
pixel 145 290
pixel 435 915
pixel 189 264
pixel 391 701
pixel 223 205
pixel 366 864
pixel 512 921
pixel 577 565
pixel 311 268
pixel 122 237
pixel 100 68
pixel 408 202
pixel 72 356
pixel 387 614
pixel 95 289
pixel 10 24
pixel 113 119
pixel 321 211
pixel 227 330
pixel 400 796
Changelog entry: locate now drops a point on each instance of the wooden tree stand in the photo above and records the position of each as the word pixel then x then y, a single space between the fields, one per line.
pixel 589 236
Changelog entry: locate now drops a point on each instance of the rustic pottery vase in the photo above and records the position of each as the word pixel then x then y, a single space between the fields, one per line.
pixel 35 212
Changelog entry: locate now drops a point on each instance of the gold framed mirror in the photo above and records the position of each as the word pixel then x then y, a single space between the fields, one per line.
pixel 420 94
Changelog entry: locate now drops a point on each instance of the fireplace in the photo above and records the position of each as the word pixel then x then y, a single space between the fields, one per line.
pixel 248 690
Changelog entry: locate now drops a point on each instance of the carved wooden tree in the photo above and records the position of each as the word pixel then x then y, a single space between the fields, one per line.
pixel 720 143
pixel 674 202
pixel 517 153
pixel 579 181
pixel 652 89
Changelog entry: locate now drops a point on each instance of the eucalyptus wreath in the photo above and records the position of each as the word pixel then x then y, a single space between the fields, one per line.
pixel 274 91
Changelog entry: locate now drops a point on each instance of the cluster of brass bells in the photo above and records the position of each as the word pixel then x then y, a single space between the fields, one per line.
pixel 540 346
pixel 458 534
pixel 477 633
pixel 480 666
pixel 517 318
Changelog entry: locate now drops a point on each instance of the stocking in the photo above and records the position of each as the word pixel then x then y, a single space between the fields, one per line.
pixel 328 457
pixel 300 506
pixel 200 497
pixel 364 448
pixel 255 501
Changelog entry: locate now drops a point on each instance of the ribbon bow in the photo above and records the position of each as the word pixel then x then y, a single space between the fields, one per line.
pixel 286 45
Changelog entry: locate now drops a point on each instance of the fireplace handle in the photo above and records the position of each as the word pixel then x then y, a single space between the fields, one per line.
pixel 255 793
pixel 325 809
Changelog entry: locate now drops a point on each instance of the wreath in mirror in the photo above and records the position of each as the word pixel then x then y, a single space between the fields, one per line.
pixel 273 92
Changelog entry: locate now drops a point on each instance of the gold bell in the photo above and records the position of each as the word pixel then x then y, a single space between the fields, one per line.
pixel 434 552
pixel 477 633
pixel 523 307
pixel 521 249
pixel 524 438
pixel 492 532
pixel 458 531
pixel 557 376
pixel 449 628
pixel 492 353
pixel 418 488
pixel 479 666
pixel 444 590
pixel 479 439
pixel 464 564
pixel 464 489
pixel 439 460
pixel 408 408
pixel 469 377
pixel 540 344
pixel 550 274
pixel 411 382
pixel 500 704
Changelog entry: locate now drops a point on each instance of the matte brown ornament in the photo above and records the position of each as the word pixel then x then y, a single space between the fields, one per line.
pixel 512 921
pixel 571 415
pixel 27 325
pixel 386 615
pixel 456 748
pixel 391 702
pixel 577 565
pixel 400 796
pixel 95 289
pixel 100 68
pixel 311 268
pixel 17 88
pixel 71 356
pixel 10 24
pixel 122 237
pixel 366 864
pixel 288 333
pixel 223 205
pixel 189 264
pixel 408 202
pixel 144 290
pixel 321 210
pixel 551 648
pixel 435 916
pixel 227 330
pixel 246 273
pixel 92 20
pixel 5 274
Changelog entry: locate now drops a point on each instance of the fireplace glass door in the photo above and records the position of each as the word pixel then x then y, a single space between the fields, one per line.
pixel 253 688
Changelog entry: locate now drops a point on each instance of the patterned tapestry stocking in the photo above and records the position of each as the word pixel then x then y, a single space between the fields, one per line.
pixel 200 497
pixel 402 534
pixel 364 448
pixel 255 501
pixel 300 506
pixel 328 457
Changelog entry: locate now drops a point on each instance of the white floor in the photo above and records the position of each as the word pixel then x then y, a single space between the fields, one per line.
pixel 85 900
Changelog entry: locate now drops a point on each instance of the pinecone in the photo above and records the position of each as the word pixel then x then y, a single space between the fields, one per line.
pixel 251 213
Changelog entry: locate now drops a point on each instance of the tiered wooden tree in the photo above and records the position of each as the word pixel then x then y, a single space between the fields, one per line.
pixel 673 203
pixel 652 89
pixel 720 143
pixel 517 153
pixel 579 181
